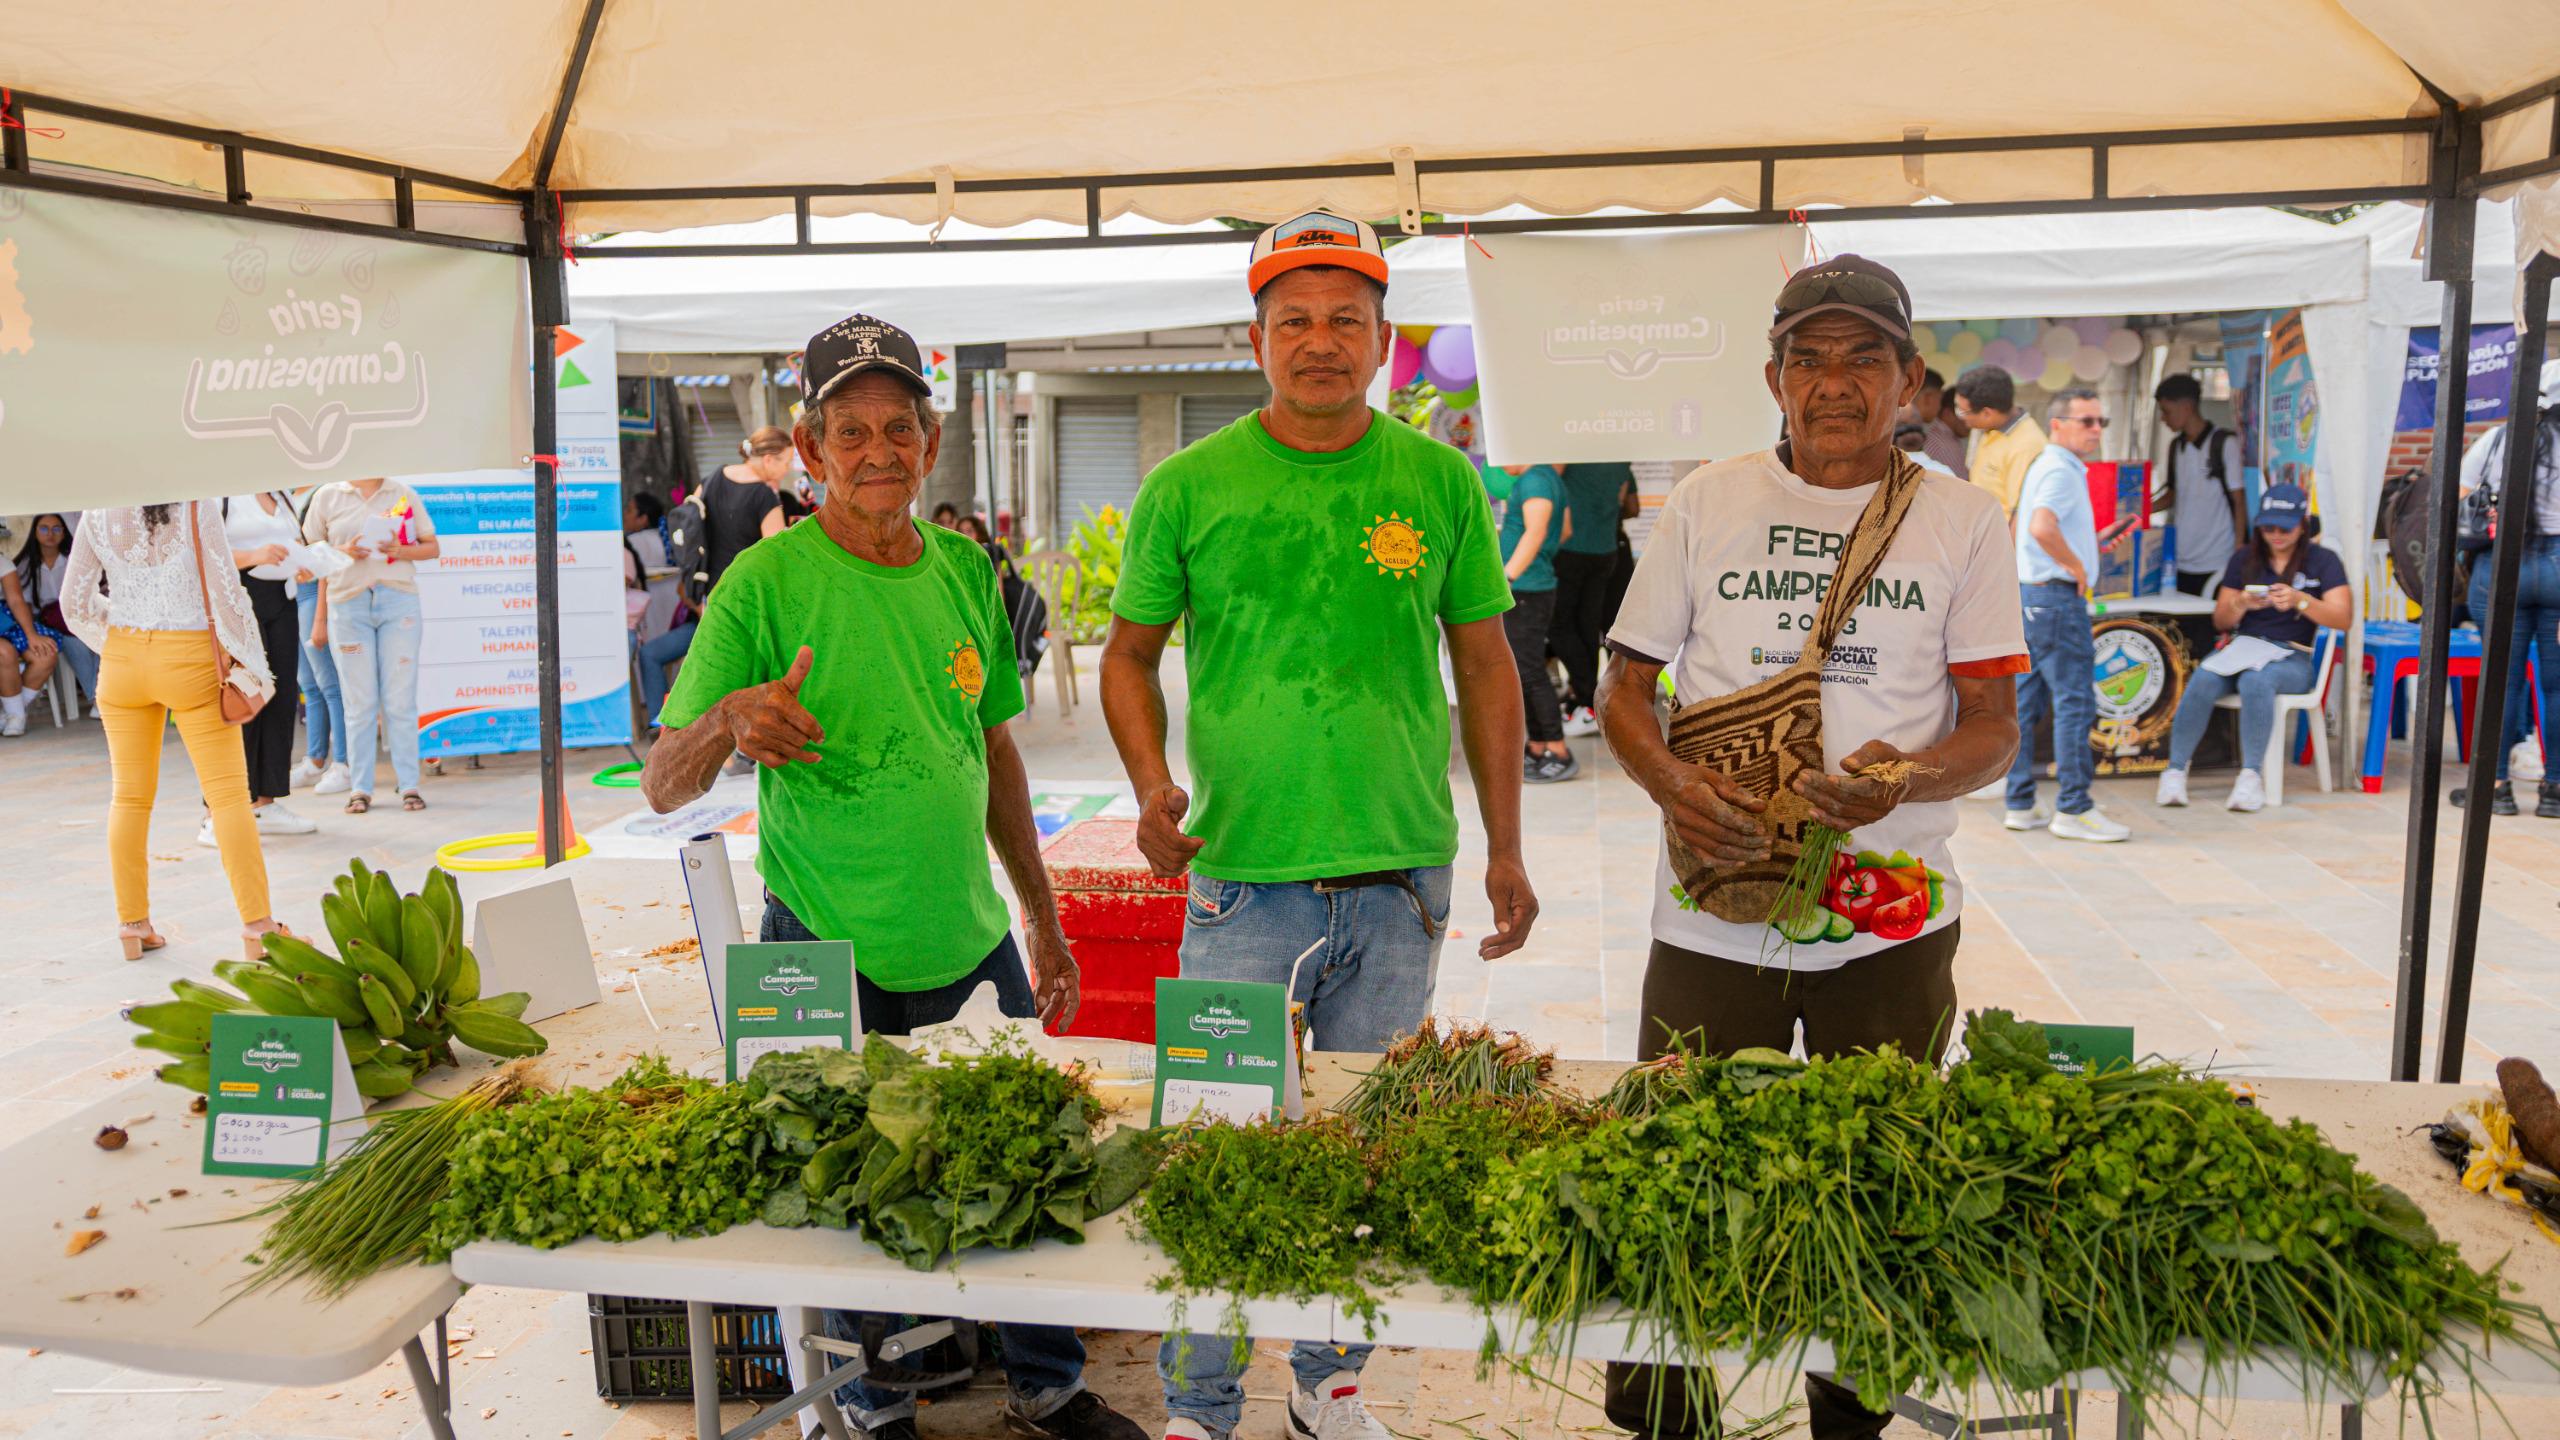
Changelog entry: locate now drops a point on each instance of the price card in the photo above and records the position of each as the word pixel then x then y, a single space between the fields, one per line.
pixel 1223 1051
pixel 787 995
pixel 2089 1049
pixel 282 1097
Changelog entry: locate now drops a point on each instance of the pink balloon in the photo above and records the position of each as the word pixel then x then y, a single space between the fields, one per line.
pixel 2002 354
pixel 1403 364
pixel 2092 329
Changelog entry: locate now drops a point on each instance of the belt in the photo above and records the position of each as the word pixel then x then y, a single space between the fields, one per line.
pixel 2071 585
pixel 1333 883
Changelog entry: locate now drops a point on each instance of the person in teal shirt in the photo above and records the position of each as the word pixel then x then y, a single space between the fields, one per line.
pixel 1534 527
pixel 1596 497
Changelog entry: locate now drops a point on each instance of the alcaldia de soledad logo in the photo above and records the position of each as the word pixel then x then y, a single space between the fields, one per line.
pixel 1394 545
pixel 967 669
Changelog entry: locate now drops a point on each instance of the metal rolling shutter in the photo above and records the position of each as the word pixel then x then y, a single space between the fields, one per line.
pixel 715 430
pixel 1097 456
pixel 1205 415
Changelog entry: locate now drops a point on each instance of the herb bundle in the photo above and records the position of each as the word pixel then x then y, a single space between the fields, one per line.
pixel 1263 1210
pixel 1434 1066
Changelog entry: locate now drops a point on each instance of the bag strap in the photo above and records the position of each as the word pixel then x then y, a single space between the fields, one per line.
pixel 1863 556
pixel 204 592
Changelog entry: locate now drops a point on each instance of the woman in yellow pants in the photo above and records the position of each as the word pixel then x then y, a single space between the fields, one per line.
pixel 156 663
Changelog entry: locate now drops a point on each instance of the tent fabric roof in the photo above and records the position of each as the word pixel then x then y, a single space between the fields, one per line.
pixel 679 93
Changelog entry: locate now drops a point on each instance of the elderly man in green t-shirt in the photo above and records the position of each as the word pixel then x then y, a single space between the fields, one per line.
pixel 1318 551
pixel 865 663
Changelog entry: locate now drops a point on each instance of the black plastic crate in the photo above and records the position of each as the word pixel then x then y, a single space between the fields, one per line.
pixel 642 1350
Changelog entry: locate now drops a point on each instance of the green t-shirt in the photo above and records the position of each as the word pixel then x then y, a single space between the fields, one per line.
pixel 1538 482
pixel 1314 587
pixel 883 841
pixel 1591 493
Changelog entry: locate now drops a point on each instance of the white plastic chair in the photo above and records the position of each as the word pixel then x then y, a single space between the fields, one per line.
pixel 2325 653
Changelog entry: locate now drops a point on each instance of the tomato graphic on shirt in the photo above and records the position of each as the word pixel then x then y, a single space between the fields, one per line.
pixel 1888 896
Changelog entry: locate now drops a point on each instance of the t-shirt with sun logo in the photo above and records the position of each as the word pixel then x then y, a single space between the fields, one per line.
pixel 1314 587
pixel 883 841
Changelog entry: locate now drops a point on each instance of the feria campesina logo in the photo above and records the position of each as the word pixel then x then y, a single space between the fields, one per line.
pixel 968 669
pixel 1394 545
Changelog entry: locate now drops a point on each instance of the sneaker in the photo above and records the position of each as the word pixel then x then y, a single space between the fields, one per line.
pixel 2502 798
pixel 13 723
pixel 902 1428
pixel 1581 722
pixel 205 837
pixel 2090 824
pixel 305 770
pixel 2034 819
pixel 1083 1417
pixel 739 765
pixel 2549 806
pixel 2525 761
pixel 1182 1427
pixel 336 780
pixel 2173 788
pixel 1331 1410
pixel 1548 769
pixel 2249 793
pixel 274 819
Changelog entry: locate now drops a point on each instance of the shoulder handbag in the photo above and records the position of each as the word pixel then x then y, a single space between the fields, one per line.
pixel 1764 734
pixel 239 707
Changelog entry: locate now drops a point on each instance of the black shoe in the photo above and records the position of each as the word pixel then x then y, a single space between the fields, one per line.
pixel 1083 1417
pixel 2549 809
pixel 902 1428
pixel 1547 769
pixel 2502 798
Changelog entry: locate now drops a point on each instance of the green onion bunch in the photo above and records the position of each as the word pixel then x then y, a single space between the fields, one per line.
pixel 1438 1064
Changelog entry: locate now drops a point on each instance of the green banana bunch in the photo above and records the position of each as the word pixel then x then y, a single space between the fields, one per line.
pixel 492 1033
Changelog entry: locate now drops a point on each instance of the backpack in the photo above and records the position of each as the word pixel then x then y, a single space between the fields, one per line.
pixel 2480 508
pixel 689 550
pixel 2214 435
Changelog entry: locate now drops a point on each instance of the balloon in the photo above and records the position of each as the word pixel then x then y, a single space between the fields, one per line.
pixel 2020 332
pixel 2002 353
pixel 1987 329
pixel 2059 342
pixel 1925 336
pixel 1420 335
pixel 1403 363
pixel 2122 346
pixel 1462 399
pixel 1449 358
pixel 2089 363
pixel 1964 347
pixel 2092 329
pixel 2056 376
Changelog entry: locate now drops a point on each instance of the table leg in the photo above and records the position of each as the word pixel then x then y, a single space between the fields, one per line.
pixel 2128 1417
pixel 435 1394
pixel 2350 1422
pixel 706 1373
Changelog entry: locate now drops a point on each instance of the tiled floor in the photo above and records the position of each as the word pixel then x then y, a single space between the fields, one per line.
pixel 2266 941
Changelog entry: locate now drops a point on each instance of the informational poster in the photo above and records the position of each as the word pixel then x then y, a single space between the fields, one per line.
pixel 2484 397
pixel 479 688
pixel 787 995
pixel 2244 362
pixel 281 1096
pixel 2292 413
pixel 1222 1051
pixel 209 355
pixel 1623 347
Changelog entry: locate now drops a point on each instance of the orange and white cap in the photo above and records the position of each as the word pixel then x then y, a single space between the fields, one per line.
pixel 1318 237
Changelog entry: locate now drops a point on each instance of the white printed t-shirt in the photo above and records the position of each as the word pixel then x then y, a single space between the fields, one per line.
pixel 1725 594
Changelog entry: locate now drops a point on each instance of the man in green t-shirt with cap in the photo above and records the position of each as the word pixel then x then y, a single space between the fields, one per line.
pixel 1317 550
pixel 865 663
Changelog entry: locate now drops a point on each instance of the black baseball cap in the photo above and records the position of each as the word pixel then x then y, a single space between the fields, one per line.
pixel 1845 282
pixel 853 345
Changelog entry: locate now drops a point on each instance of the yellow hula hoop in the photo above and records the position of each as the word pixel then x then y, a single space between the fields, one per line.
pixel 451 856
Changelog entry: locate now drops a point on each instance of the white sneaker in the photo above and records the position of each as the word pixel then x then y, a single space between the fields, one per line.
pixel 274 819
pixel 1179 1428
pixel 2090 824
pixel 2248 793
pixel 2524 763
pixel 1581 722
pixel 336 780
pixel 2027 819
pixel 13 723
pixel 206 838
pixel 305 770
pixel 2173 788
pixel 1332 1411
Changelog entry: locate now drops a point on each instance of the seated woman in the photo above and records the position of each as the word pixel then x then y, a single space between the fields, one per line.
pixel 2280 588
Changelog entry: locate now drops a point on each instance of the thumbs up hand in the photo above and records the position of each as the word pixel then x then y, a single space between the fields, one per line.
pixel 768 723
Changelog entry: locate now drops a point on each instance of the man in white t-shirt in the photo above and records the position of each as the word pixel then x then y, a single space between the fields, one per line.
pixel 1727 587
pixel 2205 489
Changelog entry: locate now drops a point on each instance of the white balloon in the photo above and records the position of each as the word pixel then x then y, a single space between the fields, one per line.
pixel 2089 363
pixel 2123 346
pixel 2059 342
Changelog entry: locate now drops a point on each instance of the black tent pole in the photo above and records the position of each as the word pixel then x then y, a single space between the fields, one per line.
pixel 2498 642
pixel 550 308
pixel 2451 222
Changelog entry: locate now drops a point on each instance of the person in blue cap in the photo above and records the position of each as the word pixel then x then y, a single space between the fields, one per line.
pixel 2280 588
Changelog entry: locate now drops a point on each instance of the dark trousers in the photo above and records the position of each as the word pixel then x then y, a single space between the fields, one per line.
pixel 1904 996
pixel 2197 582
pixel 1044 1364
pixel 268 737
pixel 1581 618
pixel 1525 626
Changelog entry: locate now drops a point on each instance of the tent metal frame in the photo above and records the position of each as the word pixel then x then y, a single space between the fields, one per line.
pixel 2454 179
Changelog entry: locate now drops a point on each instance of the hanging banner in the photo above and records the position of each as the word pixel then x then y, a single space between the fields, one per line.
pixel 1623 347
pixel 151 355
pixel 2484 395
pixel 2244 362
pixel 2293 411
pixel 479 691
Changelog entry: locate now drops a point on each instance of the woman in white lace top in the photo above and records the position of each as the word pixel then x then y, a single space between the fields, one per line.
pixel 156 663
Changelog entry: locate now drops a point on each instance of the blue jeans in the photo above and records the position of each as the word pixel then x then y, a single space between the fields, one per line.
pixel 2064 683
pixel 2537 621
pixel 1043 1364
pixel 655 656
pixel 83 662
pixel 324 709
pixel 375 635
pixel 1370 981
pixel 2258 691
